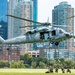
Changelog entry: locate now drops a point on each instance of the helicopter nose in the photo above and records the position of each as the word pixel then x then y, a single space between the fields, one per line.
pixel 69 35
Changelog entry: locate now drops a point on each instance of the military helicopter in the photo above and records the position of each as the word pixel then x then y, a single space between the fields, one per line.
pixel 46 33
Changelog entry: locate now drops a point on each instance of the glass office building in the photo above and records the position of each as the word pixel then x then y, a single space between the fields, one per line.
pixel 3 18
pixel 35 10
pixel 35 13
pixel 23 9
pixel 59 15
pixel 3 10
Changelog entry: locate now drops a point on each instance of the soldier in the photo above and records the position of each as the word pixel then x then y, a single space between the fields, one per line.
pixel 63 70
pixel 68 70
pixel 56 69
pixel 51 70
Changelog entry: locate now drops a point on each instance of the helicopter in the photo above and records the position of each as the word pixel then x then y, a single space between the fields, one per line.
pixel 46 33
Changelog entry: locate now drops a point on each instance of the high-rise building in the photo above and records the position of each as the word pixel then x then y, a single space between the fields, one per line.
pixel 3 29
pixel 11 7
pixel 3 10
pixel 9 53
pixel 49 53
pixel 35 11
pixel 60 13
pixel 3 18
pixel 23 9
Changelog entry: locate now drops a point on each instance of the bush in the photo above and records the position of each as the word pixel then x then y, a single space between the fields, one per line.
pixel 4 64
pixel 27 66
pixel 17 64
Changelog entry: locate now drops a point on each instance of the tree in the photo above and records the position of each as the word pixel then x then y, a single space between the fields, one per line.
pixel 4 64
pixel 22 57
pixel 69 63
pixel 27 59
pixel 39 59
pixel 42 65
pixel 62 62
pixel 27 66
pixel 51 63
pixel 33 64
pixel 7 64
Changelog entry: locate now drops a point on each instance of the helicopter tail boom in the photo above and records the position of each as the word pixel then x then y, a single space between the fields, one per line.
pixel 1 40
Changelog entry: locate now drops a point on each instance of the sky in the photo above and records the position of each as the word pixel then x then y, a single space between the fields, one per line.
pixel 45 8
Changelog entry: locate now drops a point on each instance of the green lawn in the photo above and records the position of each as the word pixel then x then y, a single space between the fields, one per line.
pixel 31 72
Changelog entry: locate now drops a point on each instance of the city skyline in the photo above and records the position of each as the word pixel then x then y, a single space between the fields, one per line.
pixel 45 8
pixel 44 13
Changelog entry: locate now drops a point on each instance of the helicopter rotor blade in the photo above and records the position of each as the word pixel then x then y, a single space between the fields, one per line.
pixel 64 19
pixel 28 26
pixel 23 19
pixel 41 24
pixel 69 17
pixel 45 24
pixel 61 25
pixel 25 26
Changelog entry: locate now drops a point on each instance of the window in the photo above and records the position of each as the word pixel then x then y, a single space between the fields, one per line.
pixel 53 32
pixel 0 51
pixel 60 31
pixel 42 35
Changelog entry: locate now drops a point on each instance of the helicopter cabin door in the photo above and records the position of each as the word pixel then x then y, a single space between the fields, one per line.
pixel 44 35
pixel 53 32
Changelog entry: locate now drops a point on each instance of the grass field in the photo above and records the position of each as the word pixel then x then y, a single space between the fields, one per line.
pixel 31 72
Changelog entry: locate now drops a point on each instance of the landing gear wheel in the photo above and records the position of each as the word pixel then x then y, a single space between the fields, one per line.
pixel 57 43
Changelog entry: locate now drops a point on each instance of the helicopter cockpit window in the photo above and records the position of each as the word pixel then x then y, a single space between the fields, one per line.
pixel 53 32
pixel 60 31
pixel 42 35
